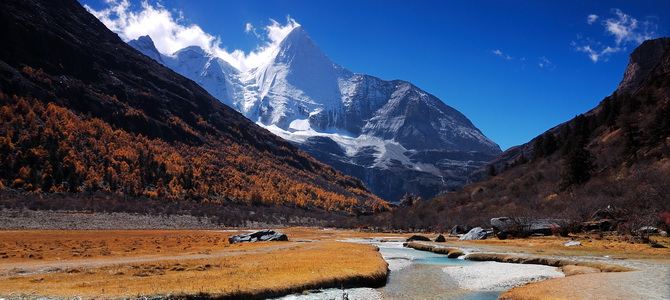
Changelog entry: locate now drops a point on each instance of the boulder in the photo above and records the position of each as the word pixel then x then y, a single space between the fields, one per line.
pixel 572 243
pixel 476 233
pixel 648 229
pixel 440 239
pixel 504 226
pixel 603 225
pixel 417 237
pixel 258 236
pixel 460 229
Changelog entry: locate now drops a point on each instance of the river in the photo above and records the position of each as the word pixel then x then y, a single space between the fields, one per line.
pixel 418 274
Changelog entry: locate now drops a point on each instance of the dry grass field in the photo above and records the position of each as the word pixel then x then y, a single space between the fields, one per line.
pixel 201 263
pixel 119 264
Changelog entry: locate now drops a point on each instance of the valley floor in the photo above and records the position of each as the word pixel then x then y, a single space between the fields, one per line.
pixel 134 263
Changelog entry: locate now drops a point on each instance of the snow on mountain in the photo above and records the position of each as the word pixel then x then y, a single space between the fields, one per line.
pixel 392 135
pixel 215 75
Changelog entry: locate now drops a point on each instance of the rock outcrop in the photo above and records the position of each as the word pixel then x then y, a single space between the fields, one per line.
pixel 642 61
pixel 266 235
pixel 417 237
pixel 504 226
pixel 476 233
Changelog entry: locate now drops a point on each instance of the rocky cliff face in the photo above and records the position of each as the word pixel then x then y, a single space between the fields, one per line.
pixel 392 135
pixel 642 60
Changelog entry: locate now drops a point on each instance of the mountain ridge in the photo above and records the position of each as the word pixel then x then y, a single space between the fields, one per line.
pixel 379 125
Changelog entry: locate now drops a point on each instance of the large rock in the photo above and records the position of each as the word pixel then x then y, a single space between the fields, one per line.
pixel 504 226
pixel 461 229
pixel 417 237
pixel 440 239
pixel 258 236
pixel 648 229
pixel 476 233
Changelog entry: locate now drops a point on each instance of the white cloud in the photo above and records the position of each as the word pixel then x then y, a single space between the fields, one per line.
pixel 626 31
pixel 625 28
pixel 249 28
pixel 171 33
pixel 598 55
pixel 545 63
pixel 501 54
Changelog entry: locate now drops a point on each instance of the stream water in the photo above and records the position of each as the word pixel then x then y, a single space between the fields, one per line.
pixel 414 275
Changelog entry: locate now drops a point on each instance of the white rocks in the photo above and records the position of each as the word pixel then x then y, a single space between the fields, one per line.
pixel 476 233
pixel 572 243
pixel 489 276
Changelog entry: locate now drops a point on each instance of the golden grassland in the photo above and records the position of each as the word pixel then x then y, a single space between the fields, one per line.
pixel 118 264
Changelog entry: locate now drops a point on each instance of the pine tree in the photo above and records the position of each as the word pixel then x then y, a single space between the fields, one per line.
pixel 492 170
pixel 577 168
pixel 629 141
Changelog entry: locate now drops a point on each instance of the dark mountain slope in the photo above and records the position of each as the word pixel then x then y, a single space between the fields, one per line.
pixel 617 155
pixel 86 104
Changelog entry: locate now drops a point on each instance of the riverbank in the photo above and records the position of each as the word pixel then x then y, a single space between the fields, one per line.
pixel 603 269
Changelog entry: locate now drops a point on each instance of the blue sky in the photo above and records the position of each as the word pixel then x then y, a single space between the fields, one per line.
pixel 514 68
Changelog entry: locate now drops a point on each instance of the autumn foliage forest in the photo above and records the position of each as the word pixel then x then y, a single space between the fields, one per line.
pixel 87 123
pixel 46 148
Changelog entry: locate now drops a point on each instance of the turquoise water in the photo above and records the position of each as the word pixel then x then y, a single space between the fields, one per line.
pixel 422 277
pixel 414 275
pixel 443 261
pixel 480 296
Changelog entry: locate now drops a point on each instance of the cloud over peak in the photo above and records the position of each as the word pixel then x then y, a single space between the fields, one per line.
pixel 625 29
pixel 170 32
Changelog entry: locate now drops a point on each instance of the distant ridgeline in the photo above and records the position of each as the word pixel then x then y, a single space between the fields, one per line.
pixel 83 112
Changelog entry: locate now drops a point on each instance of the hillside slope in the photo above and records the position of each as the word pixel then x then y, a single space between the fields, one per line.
pixel 83 111
pixel 616 155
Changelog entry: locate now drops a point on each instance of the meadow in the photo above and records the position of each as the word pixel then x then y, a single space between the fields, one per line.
pixel 181 263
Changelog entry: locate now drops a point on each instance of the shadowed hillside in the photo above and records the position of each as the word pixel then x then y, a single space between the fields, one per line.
pixel 83 113
pixel 615 155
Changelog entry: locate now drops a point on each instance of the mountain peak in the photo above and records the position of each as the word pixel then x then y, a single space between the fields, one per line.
pixel 641 62
pixel 298 44
pixel 146 45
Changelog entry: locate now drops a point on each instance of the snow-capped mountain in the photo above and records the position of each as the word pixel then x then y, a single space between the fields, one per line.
pixel 392 135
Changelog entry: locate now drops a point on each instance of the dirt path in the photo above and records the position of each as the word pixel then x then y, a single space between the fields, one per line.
pixel 36 267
